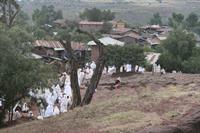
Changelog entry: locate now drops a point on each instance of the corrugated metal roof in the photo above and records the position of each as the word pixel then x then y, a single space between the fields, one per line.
pixel 90 23
pixel 56 45
pixel 107 41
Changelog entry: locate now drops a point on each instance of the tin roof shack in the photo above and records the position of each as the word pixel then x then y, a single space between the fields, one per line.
pixel 49 49
pixel 54 50
pixel 91 26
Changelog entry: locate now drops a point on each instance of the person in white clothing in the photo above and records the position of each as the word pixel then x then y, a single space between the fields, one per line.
pixel 56 110
pixel 64 103
pixel 49 111
pixel 68 90
pixel 81 76
pixel 25 108
pixel 93 65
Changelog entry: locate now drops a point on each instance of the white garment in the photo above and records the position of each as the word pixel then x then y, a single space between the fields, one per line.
pixel 121 69
pixel 104 70
pixel 67 80
pixel 42 112
pixel 89 73
pixel 31 93
pixel 47 93
pixel 25 107
pixel 81 76
pixel 51 99
pixel 68 90
pixel 136 68
pixel 93 65
pixel 56 111
pixel 49 111
pixel 30 114
pixel 40 117
pixel 58 90
pixel 111 70
pixel 63 104
pixel 128 68
pixel 141 70
pixel 16 115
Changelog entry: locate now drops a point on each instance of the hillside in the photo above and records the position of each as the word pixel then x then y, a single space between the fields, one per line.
pixel 135 12
pixel 143 101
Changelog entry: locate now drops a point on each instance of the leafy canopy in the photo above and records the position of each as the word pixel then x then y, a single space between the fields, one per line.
pixel 46 15
pixel 128 54
pixel 157 20
pixel 95 14
pixel 18 70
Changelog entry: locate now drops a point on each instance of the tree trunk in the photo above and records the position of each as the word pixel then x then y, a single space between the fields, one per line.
pixel 93 82
pixel 118 69
pixel 133 68
pixel 97 72
pixel 73 73
pixel 75 85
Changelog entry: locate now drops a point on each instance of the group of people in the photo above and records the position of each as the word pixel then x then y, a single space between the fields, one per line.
pixel 125 68
pixel 58 98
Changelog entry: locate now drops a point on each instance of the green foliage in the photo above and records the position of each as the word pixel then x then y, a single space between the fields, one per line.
pixel 95 14
pixel 128 54
pixel 18 70
pixel 9 9
pixel 180 44
pixel 178 48
pixel 39 33
pixel 46 15
pixel 192 20
pixel 114 56
pixel 176 20
pixel 22 19
pixel 156 19
pixel 192 65
pixel 169 62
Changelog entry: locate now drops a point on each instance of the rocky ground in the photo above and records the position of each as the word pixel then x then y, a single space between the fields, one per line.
pixel 145 103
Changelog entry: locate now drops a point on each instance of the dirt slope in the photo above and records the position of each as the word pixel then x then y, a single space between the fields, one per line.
pixel 143 102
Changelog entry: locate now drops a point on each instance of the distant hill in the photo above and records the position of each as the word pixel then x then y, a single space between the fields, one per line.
pixel 136 12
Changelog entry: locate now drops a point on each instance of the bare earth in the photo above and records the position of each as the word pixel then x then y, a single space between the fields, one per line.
pixel 142 101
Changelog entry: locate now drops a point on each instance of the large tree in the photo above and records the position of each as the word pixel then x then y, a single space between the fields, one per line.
pixel 65 39
pixel 9 9
pixel 22 19
pixel 179 47
pixel 95 14
pixel 46 15
pixel 19 72
pixel 156 19
pixel 192 20
pixel 128 54
pixel 176 20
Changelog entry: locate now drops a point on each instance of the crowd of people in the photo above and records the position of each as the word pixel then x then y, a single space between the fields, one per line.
pixel 57 99
pixel 52 101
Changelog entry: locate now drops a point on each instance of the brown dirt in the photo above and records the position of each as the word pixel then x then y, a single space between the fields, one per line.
pixel 142 101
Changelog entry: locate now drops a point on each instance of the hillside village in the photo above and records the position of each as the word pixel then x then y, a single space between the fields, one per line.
pixel 97 73
pixel 147 36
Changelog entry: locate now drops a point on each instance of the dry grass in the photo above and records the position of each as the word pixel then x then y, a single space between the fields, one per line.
pixel 126 110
